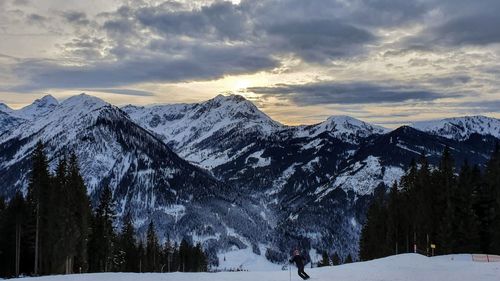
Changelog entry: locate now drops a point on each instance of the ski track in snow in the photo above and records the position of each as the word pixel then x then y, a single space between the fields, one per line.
pixel 406 267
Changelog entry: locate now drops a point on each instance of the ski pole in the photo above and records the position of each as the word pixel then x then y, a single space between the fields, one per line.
pixel 290 271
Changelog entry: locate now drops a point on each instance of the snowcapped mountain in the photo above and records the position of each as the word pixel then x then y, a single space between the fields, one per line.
pixel 341 127
pixel 461 128
pixel 255 184
pixel 38 108
pixel 10 118
pixel 8 122
pixel 5 108
pixel 205 133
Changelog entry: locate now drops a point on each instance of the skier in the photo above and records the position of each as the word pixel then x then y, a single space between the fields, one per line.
pixel 299 262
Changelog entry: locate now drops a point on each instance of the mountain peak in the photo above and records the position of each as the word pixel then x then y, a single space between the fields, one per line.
pixel 84 100
pixel 5 108
pixel 231 97
pixel 46 101
pixel 339 119
pixel 341 126
pixel 234 107
pixel 38 108
pixel 221 100
pixel 460 128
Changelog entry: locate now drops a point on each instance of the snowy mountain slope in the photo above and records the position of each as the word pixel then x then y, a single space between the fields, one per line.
pixel 460 128
pixel 5 108
pixel 408 267
pixel 341 127
pixel 205 133
pixel 38 108
pixel 383 159
pixel 8 122
pixel 400 146
pixel 146 177
pixel 10 118
pixel 285 170
pixel 363 177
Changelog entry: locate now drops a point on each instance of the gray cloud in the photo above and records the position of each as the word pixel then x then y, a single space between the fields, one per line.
pixel 36 19
pixel 203 63
pixel 86 47
pixel 221 19
pixel 21 2
pixel 76 17
pixel 451 80
pixel 462 22
pixel 318 40
pixel 321 93
pixel 477 107
pixel 127 92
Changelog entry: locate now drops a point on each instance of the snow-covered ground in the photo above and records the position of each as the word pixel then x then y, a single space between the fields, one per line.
pixel 407 267
pixel 245 259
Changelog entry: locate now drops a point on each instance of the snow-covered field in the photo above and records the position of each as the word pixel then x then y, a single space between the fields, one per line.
pixel 407 267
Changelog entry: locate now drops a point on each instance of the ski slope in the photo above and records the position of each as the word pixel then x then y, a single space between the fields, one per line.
pixel 407 267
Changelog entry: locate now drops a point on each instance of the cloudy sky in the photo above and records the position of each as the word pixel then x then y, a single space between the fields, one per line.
pixel 384 61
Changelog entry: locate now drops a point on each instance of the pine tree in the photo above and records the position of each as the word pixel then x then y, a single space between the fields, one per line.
pixel 408 184
pixel 141 253
pixel 184 256
pixel 39 193
pixel 168 252
pixel 444 204
pixel 374 231
pixel 102 238
pixel 176 261
pixel 325 260
pixel 128 245
pixel 484 208
pixel 78 204
pixel 59 222
pixel 348 259
pixel 465 233
pixel 425 224
pixel 152 249
pixel 335 259
pixel 492 179
pixel 394 219
pixel 201 263
pixel 17 208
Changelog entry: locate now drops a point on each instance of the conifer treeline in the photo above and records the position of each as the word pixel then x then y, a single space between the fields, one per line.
pixel 53 230
pixel 457 210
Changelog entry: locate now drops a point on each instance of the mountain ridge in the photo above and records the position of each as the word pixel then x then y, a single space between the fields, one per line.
pixel 425 125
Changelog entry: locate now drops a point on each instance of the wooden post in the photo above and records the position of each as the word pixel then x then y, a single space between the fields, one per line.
pixel 427 245
pixel 415 242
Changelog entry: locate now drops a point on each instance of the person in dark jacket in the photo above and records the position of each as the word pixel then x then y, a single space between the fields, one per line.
pixel 299 262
